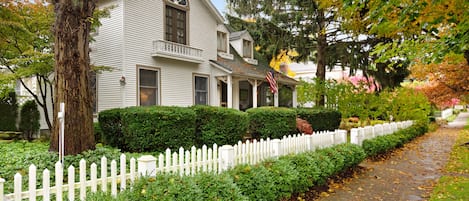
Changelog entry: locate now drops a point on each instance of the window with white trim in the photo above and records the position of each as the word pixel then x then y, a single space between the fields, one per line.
pixel 222 41
pixel 176 25
pixel 200 90
pixel 247 49
pixel 148 86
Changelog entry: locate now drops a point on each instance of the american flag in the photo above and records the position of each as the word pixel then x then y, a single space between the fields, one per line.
pixel 273 84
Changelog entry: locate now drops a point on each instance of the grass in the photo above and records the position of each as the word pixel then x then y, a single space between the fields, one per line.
pixel 455 187
pixel 451 188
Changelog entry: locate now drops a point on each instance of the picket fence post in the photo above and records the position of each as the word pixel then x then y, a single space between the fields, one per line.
pixel 32 182
pixel 2 184
pixel 276 148
pixel 147 166
pixel 46 185
pixel 226 157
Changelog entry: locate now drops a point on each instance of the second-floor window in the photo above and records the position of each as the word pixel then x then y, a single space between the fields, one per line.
pixel 247 49
pixel 221 41
pixel 175 25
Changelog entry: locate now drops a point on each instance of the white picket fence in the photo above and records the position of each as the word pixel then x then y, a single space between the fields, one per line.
pixel 183 162
pixel 358 135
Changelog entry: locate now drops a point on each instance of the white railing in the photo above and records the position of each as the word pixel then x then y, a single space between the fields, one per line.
pixel 183 162
pixel 178 51
pixel 358 135
pixel 446 113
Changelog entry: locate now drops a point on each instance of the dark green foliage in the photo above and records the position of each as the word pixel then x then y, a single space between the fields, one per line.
pixel 270 180
pixel 219 125
pixel 203 186
pixel 286 177
pixel 98 133
pixel 382 144
pixel 271 122
pixel 111 127
pixel 157 128
pixel 9 112
pixel 30 116
pixel 321 119
pixel 255 182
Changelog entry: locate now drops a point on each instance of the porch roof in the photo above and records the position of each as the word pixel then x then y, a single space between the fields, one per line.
pixel 239 67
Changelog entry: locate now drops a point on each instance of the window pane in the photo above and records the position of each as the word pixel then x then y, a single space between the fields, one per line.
pixel 247 48
pixel 175 25
pixel 148 96
pixel 201 98
pixel 221 41
pixel 201 83
pixel 201 90
pixel 148 78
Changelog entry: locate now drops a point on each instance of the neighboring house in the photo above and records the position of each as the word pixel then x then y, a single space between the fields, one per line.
pixel 307 71
pixel 167 52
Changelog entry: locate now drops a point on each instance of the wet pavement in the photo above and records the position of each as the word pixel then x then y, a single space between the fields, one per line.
pixel 408 174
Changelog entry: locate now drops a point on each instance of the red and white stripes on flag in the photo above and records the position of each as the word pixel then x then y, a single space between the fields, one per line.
pixel 273 84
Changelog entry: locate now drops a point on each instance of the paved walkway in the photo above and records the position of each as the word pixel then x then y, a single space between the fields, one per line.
pixel 408 174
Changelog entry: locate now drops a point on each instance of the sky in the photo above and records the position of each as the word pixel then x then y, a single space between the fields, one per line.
pixel 221 5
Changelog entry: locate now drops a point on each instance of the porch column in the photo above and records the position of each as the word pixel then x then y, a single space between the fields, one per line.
pixel 229 92
pixel 254 94
pixel 295 95
pixel 276 99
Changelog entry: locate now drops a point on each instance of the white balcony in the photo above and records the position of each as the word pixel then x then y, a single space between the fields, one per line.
pixel 171 50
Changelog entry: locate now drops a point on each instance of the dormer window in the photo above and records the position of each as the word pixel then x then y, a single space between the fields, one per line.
pixel 247 49
pixel 222 41
pixel 176 26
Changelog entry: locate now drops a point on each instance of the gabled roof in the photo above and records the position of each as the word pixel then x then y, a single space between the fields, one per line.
pixel 239 67
pixel 214 11
pixel 237 35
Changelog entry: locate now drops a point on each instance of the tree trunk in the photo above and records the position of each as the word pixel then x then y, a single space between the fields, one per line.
pixel 72 68
pixel 321 55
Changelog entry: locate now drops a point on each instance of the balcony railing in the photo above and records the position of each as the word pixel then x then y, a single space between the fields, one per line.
pixel 177 51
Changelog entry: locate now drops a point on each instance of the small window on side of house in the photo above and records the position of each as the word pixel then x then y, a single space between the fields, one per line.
pixel 200 90
pixel 247 49
pixel 222 41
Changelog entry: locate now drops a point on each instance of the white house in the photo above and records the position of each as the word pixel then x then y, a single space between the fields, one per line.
pixel 179 52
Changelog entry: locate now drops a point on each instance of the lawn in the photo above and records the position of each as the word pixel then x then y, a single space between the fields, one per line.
pixel 455 186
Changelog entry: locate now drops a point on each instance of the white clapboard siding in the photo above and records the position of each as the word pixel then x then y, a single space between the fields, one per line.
pixel 183 162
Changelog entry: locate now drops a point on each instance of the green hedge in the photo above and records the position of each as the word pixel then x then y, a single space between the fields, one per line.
pixel 271 122
pixel 9 112
pixel 321 119
pixel 219 125
pixel 29 123
pixel 157 128
pixel 382 144
pixel 269 180
pixel 111 127
pixel 168 187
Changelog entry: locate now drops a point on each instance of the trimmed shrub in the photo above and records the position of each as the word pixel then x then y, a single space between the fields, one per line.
pixel 202 186
pixel 111 126
pixel 382 144
pixel 255 182
pixel 321 119
pixel 9 111
pixel 30 116
pixel 219 125
pixel 157 128
pixel 271 122
pixel 286 177
pixel 98 133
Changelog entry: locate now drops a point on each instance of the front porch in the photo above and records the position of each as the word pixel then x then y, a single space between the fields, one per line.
pixel 242 93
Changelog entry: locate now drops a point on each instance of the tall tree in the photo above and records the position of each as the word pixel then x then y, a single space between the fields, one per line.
pixel 26 48
pixel 318 32
pixel 72 69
